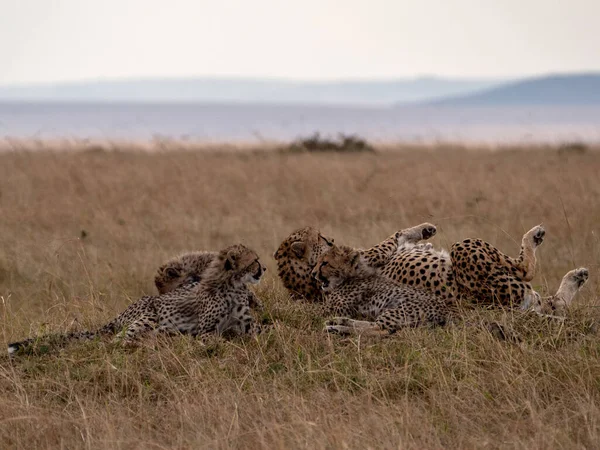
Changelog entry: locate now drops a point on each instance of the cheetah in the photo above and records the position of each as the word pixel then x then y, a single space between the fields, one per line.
pixel 485 276
pixel 218 304
pixel 355 289
pixel 182 269
pixel 298 254
pixel 474 273
pixel 188 268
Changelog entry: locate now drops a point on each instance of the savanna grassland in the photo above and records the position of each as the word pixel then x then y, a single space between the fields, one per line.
pixel 82 233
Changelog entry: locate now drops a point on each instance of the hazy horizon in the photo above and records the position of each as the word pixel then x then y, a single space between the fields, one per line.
pixel 279 79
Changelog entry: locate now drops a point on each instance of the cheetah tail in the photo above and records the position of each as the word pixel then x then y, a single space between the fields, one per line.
pixel 54 340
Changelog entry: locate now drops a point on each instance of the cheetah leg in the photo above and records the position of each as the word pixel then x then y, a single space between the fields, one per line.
pixel 571 283
pixel 387 323
pixel 383 252
pixel 340 307
pixel 346 326
pixel 244 325
pixel 530 242
pixel 348 322
pixel 254 302
pixel 395 319
pixel 136 330
pixel 525 264
pixel 530 297
pixel 416 234
pixel 556 306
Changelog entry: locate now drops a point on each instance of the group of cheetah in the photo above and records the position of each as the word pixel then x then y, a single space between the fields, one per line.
pixel 398 283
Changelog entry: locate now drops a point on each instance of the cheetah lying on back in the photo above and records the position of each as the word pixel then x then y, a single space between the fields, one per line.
pixel 219 303
pixel 298 254
pixel 475 272
pixel 353 289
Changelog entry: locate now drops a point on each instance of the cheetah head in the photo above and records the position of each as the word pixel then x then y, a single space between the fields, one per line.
pixel 305 244
pixel 336 266
pixel 181 270
pixel 297 256
pixel 241 264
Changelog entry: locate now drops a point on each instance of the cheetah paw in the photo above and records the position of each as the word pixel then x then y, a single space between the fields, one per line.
pixel 428 231
pixel 416 234
pixel 343 321
pixel 536 234
pixel 578 276
pixel 337 329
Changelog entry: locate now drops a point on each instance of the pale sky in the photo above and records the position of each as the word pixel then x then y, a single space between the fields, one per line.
pixel 64 40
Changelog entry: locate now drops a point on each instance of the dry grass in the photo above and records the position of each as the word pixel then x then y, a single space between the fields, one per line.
pixel 82 233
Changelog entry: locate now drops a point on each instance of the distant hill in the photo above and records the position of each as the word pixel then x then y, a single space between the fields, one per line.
pixel 271 91
pixel 579 89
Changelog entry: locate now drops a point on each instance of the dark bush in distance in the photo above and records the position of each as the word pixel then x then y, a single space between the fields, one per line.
pixel 316 143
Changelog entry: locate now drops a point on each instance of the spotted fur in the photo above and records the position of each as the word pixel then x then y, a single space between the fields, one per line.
pixel 218 304
pixel 298 254
pixel 182 269
pixel 485 276
pixel 353 289
pixel 188 268
pixel 422 266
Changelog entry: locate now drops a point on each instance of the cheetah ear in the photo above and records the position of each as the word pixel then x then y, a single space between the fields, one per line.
pixel 355 259
pixel 299 248
pixel 172 272
pixel 230 261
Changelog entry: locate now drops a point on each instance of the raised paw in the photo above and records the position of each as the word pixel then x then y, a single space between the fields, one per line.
pixel 428 231
pixel 415 234
pixel 578 276
pixel 536 234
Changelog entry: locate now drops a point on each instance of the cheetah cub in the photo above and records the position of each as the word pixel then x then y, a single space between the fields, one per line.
pixel 354 289
pixel 190 268
pixel 183 269
pixel 218 304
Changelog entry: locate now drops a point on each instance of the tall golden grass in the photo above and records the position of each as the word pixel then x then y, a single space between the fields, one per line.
pixel 81 234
